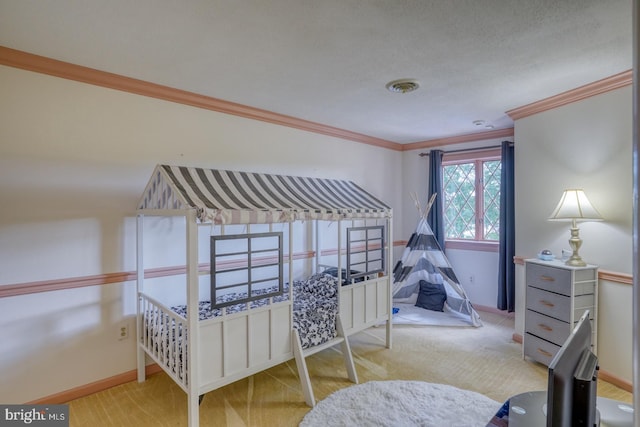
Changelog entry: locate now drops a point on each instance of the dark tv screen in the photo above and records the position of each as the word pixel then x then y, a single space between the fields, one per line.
pixel 571 393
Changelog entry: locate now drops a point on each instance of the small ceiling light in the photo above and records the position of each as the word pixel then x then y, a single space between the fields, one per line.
pixel 483 123
pixel 402 86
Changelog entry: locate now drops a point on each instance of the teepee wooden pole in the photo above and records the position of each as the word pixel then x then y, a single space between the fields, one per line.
pixel 431 200
pixel 416 202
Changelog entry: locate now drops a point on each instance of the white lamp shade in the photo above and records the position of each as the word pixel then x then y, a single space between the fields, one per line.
pixel 574 204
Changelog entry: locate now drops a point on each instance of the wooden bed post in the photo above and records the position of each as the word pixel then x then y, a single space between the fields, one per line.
pixel 339 255
pixel 290 264
pixel 139 288
pixel 316 245
pixel 389 278
pixel 192 318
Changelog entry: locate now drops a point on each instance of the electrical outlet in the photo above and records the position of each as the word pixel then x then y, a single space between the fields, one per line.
pixel 471 279
pixel 123 331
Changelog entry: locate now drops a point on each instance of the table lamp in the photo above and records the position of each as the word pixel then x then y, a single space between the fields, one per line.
pixel 575 205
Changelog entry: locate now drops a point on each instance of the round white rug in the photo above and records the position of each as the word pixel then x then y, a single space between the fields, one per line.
pixel 402 404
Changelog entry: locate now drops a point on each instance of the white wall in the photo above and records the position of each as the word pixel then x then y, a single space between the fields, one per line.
pixel 74 159
pixel 586 145
pixel 478 274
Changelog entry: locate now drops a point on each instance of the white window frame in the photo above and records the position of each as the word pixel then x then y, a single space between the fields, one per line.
pixel 478 157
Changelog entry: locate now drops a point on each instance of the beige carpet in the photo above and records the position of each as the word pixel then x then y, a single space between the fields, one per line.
pixel 483 360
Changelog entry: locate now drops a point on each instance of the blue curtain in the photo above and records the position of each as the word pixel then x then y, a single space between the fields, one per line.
pixel 506 269
pixel 435 218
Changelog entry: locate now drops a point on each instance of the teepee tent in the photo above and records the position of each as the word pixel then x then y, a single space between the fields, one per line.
pixel 425 277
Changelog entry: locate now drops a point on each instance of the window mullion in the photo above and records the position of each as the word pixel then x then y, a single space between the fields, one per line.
pixel 479 185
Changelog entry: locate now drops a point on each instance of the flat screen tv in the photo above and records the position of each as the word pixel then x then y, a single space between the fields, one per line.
pixel 573 374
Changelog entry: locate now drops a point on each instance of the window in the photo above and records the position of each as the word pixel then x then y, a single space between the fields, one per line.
pixel 245 267
pixel 471 186
pixel 365 251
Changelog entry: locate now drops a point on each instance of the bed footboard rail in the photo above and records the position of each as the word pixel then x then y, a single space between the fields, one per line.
pixel 365 304
pixel 164 338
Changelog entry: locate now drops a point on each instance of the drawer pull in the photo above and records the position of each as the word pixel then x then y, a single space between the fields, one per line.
pixel 545 327
pixel 544 352
pixel 547 303
pixel 547 279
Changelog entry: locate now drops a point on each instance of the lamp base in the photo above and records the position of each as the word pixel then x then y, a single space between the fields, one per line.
pixel 575 261
pixel 575 242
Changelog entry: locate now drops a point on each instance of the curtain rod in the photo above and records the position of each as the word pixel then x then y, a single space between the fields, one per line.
pixel 463 150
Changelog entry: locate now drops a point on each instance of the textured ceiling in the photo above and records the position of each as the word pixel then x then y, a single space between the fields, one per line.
pixel 328 61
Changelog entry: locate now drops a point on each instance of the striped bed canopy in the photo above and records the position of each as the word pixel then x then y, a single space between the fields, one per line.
pixel 229 197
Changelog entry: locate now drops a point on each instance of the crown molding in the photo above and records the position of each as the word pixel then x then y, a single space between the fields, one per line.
pixel 596 88
pixel 469 137
pixel 53 67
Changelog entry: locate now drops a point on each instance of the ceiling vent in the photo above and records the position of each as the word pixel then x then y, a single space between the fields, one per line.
pixel 403 86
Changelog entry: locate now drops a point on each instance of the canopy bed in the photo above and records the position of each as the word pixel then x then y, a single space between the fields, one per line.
pixel 274 268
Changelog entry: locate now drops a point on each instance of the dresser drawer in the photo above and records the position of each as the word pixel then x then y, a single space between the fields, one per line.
pixel 539 349
pixel 547 328
pixel 553 279
pixel 550 304
pixel 556 295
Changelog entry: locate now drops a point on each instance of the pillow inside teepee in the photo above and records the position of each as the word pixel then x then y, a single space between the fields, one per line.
pixel 431 296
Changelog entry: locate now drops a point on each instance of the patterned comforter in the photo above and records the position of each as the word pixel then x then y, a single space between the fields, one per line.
pixel 315 306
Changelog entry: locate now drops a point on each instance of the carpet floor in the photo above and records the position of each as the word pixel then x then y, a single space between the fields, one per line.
pixel 484 360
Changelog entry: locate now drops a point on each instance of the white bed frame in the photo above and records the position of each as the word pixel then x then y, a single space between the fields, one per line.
pixel 230 347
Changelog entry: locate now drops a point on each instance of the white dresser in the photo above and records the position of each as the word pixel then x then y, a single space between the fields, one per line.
pixel 556 297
